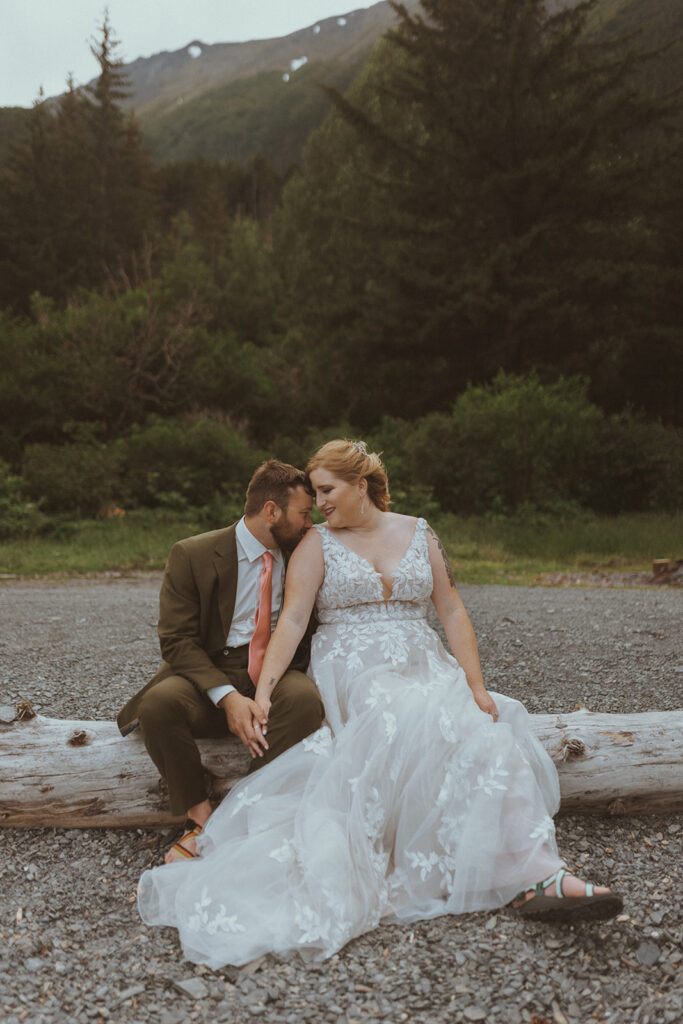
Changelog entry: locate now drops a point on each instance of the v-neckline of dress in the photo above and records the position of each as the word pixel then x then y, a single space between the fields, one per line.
pixel 368 563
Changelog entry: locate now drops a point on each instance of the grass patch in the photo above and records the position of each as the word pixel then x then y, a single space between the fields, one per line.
pixel 482 549
pixel 139 540
pixel 497 550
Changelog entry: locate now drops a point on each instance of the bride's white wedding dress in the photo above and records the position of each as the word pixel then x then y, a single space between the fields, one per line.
pixel 411 804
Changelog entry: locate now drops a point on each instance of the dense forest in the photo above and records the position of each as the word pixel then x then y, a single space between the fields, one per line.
pixel 476 265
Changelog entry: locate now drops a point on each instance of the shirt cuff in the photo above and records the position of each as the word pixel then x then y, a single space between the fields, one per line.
pixel 216 693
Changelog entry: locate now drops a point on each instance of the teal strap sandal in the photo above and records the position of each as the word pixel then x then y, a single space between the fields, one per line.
pixel 592 906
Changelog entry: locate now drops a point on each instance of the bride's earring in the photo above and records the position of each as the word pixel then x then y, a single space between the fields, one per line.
pixel 362 506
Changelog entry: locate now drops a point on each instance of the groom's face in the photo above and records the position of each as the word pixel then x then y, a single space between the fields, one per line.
pixel 293 523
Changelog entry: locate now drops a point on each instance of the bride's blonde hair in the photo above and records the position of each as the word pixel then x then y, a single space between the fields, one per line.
pixel 351 461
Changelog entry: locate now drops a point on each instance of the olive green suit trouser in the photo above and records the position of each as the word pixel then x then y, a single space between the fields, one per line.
pixel 174 713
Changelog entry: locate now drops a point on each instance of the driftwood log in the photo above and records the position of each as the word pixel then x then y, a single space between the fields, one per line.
pixel 83 774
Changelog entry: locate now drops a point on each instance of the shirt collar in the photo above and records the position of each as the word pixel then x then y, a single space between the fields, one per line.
pixel 250 546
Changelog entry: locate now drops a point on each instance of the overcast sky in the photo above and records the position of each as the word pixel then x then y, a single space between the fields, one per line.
pixel 41 41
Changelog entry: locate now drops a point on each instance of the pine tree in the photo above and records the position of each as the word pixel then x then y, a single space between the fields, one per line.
pixel 76 195
pixel 497 162
pixel 121 209
pixel 73 172
pixel 29 210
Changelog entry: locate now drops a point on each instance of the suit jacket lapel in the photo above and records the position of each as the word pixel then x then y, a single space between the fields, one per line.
pixel 225 562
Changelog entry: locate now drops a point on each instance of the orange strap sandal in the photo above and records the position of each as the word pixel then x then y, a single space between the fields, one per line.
pixel 192 830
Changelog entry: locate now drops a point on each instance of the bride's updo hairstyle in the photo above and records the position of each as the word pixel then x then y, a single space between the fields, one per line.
pixel 352 462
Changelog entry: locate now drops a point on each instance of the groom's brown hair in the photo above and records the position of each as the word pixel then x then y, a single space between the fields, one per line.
pixel 273 481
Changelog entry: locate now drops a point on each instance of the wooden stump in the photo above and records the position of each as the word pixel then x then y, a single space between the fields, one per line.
pixel 83 774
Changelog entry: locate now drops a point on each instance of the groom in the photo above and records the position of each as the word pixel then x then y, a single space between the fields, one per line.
pixel 221 595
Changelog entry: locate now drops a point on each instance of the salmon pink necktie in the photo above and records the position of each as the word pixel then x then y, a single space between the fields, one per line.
pixel 259 641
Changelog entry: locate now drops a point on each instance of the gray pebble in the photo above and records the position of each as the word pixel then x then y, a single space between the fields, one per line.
pixel 647 953
pixel 474 1013
pixel 129 993
pixel 193 987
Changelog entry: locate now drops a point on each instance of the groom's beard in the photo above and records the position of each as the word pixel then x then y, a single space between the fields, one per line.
pixel 285 539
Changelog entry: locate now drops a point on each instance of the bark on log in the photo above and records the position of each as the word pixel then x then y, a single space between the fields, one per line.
pixel 83 774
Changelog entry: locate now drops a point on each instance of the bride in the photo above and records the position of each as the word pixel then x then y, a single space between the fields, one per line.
pixel 424 795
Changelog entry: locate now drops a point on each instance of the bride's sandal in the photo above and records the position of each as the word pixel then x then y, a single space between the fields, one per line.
pixel 592 906
pixel 179 851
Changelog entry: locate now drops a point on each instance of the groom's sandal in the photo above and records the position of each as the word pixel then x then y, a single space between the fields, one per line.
pixel 179 850
pixel 592 906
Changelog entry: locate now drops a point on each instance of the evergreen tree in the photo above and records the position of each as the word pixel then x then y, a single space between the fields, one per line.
pixel 495 166
pixel 29 210
pixel 76 194
pixel 122 209
pixel 73 183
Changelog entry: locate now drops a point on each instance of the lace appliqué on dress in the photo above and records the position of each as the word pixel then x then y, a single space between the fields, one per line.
pixel 352 590
pixel 221 921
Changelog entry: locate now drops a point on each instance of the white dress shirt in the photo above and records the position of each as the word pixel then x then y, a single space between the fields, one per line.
pixel 249 569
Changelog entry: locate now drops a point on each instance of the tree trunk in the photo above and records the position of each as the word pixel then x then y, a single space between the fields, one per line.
pixel 80 774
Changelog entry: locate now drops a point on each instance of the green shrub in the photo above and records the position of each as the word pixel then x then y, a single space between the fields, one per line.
pixel 221 511
pixel 513 449
pixel 170 464
pixel 18 517
pixel 638 466
pixel 519 447
pixel 511 443
pixel 79 477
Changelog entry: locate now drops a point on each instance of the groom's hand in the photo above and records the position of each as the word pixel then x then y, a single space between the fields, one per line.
pixel 244 718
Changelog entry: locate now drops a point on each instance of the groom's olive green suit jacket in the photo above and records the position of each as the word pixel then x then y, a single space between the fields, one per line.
pixel 196 606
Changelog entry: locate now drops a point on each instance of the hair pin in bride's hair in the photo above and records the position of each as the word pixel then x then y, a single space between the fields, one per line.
pixel 360 445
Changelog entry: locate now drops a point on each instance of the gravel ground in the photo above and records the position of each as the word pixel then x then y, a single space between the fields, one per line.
pixel 73 947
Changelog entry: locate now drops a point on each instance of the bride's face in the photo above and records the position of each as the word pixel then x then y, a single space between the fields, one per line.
pixel 338 500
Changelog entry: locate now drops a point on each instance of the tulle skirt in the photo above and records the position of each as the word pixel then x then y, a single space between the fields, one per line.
pixel 411 803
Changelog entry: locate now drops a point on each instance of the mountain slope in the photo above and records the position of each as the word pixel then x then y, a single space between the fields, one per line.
pixel 264 110
pixel 258 114
pixel 231 100
pixel 161 82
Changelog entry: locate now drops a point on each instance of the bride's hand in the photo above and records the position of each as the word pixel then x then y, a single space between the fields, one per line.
pixel 263 702
pixel 486 702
